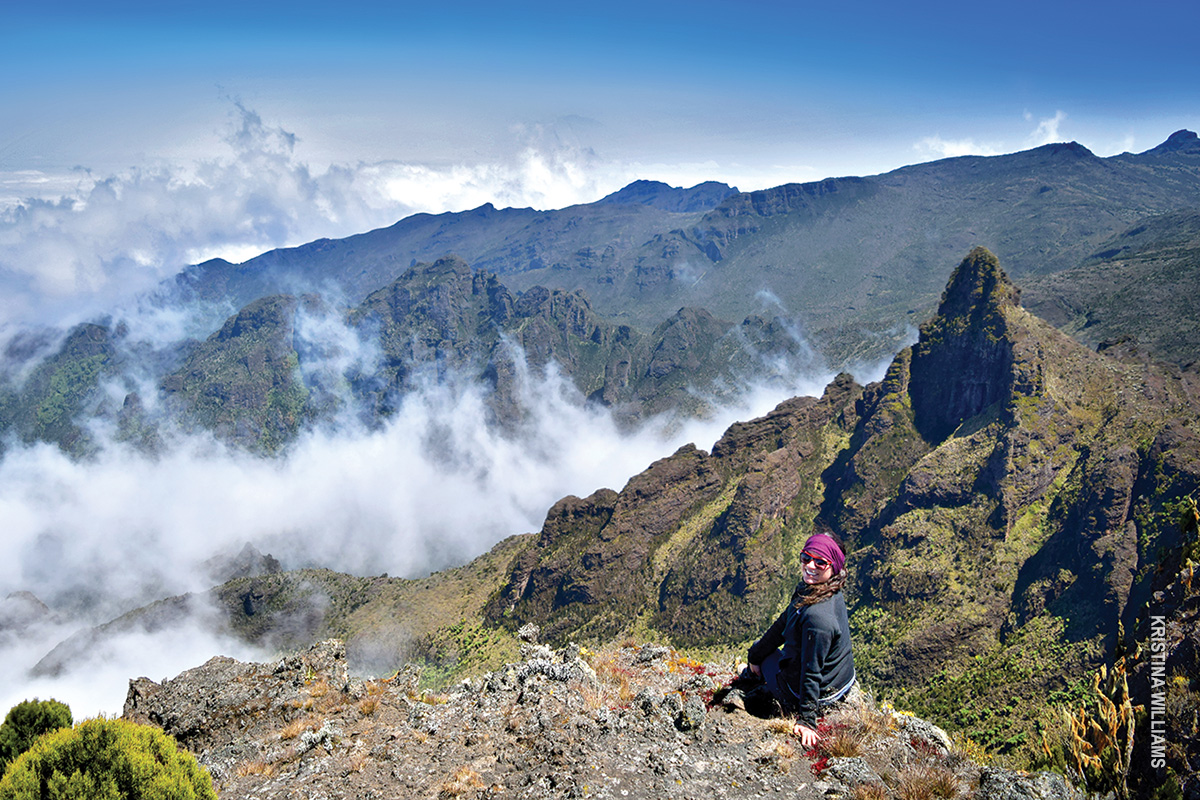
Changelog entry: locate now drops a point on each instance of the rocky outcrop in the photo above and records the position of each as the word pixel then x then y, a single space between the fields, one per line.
pixel 634 721
pixel 963 359
pixel 704 543
pixel 244 381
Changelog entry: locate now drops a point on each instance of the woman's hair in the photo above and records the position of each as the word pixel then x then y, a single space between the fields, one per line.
pixel 823 591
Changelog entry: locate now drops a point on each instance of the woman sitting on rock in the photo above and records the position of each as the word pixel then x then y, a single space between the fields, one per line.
pixel 805 657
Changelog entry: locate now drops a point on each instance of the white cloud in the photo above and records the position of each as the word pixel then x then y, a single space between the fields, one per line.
pixel 938 147
pixel 1046 131
pixel 79 245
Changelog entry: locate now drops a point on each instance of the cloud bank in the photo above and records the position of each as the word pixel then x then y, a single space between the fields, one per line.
pixel 434 486
pixel 88 244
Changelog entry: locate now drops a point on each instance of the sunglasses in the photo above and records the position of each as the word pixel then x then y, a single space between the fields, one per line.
pixel 818 562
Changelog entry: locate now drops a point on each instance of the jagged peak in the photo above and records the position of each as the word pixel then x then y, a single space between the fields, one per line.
pixel 978 279
pixel 960 364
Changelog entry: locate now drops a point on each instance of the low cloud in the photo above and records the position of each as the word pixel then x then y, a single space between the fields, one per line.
pixel 937 147
pixel 1046 131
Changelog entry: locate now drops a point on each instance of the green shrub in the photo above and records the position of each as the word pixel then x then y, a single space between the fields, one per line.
pixel 26 721
pixel 106 759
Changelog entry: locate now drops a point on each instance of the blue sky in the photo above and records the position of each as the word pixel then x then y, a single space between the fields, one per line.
pixel 228 128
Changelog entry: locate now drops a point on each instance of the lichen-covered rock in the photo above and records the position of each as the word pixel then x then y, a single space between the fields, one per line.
pixel 1003 784
pixel 853 771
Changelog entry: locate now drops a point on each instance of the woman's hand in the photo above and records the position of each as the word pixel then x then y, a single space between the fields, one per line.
pixel 808 737
pixel 756 669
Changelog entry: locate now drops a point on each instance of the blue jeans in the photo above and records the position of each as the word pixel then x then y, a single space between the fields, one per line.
pixel 770 674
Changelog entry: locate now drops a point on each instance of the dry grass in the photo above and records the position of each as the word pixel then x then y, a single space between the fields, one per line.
pixel 777 753
pixel 464 781
pixel 870 791
pixel 359 760
pixel 926 783
pixel 615 679
pixel 866 719
pixel 260 768
pixel 319 689
pixel 593 698
pixel 514 718
pixel 843 742
pixel 299 726
pixel 780 726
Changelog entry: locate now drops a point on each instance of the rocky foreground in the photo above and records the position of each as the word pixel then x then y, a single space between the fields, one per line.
pixel 630 722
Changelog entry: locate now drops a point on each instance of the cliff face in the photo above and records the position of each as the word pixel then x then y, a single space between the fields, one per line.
pixel 702 545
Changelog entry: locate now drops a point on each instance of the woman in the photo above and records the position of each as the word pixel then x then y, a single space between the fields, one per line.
pixel 805 657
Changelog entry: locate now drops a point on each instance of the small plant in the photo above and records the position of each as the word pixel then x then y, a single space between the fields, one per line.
pixel 368 705
pixel 967 749
pixel 778 754
pixel 615 678
pixel 1101 739
pixel 865 719
pixel 870 791
pixel 106 759
pixel 843 742
pixel 299 726
pixel 926 782
pixel 781 726
pixel 261 768
pixel 25 722
pixel 464 781
pixel 359 760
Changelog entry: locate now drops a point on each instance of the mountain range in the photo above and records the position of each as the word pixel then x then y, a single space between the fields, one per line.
pixel 636 298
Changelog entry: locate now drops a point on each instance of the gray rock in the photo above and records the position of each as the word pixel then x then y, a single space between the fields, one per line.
pixel 649 701
pixel 925 731
pixel 651 652
pixel 692 716
pixel 1003 784
pixel 852 771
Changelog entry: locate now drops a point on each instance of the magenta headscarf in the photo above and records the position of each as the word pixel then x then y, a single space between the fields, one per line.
pixel 823 545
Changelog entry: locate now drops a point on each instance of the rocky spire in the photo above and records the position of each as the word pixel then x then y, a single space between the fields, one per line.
pixel 961 363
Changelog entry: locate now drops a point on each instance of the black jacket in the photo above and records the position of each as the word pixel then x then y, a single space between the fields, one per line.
pixel 817 659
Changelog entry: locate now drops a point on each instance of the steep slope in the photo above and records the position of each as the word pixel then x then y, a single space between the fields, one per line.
pixel 257 381
pixel 44 404
pixel 244 383
pixel 696 545
pixel 1139 287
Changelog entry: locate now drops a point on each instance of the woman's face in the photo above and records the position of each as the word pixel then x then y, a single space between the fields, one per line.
pixel 816 569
